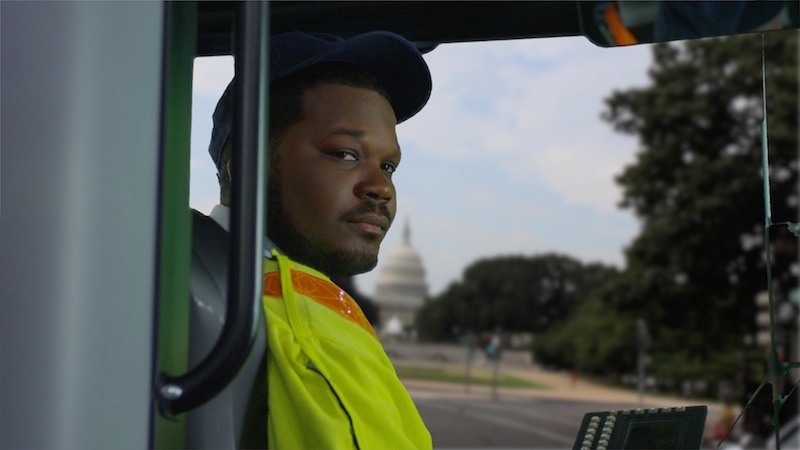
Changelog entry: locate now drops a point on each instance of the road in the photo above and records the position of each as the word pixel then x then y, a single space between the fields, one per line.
pixel 547 418
pixel 505 423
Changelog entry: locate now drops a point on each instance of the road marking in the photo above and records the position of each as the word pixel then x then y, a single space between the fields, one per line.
pixel 506 423
pixel 530 411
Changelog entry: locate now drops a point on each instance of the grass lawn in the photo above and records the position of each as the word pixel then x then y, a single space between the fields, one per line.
pixel 454 374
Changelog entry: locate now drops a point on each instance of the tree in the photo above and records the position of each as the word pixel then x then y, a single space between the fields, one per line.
pixel 696 186
pixel 600 337
pixel 515 293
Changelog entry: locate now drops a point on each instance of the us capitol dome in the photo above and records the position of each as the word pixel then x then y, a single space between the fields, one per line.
pixel 401 287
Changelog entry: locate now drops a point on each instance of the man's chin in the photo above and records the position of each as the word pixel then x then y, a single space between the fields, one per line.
pixel 332 262
pixel 346 263
pixel 343 259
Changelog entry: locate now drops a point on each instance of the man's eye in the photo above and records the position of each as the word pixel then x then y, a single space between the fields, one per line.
pixel 345 155
pixel 389 168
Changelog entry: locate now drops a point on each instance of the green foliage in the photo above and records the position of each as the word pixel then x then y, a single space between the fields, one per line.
pixel 600 339
pixel 695 269
pixel 516 293
pixel 693 272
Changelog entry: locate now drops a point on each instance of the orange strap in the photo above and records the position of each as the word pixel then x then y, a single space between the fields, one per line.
pixel 622 35
pixel 323 292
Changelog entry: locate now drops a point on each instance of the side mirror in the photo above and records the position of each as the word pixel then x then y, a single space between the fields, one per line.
pixel 624 22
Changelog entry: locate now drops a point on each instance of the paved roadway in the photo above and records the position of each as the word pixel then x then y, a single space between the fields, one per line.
pixel 522 418
pixel 540 423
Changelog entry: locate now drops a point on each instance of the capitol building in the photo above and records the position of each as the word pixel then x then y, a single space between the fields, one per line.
pixel 401 288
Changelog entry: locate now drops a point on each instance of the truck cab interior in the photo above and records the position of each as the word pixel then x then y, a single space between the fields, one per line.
pixel 126 321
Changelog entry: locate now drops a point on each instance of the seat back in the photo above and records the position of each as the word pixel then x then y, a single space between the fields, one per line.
pixel 237 417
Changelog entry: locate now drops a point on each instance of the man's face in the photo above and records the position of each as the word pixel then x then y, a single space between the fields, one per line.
pixel 331 196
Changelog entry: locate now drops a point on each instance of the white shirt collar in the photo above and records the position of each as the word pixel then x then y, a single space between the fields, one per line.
pixel 222 215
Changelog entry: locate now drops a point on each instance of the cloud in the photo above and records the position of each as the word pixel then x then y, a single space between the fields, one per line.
pixel 211 75
pixel 531 106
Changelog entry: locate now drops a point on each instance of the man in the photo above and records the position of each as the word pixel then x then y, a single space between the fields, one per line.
pixel 334 105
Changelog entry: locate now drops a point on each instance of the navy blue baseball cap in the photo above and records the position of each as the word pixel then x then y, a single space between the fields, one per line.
pixel 392 60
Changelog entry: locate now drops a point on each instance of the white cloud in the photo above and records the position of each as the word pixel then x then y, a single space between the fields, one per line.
pixel 211 75
pixel 534 106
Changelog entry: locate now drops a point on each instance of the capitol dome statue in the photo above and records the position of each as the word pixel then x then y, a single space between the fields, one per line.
pixel 401 286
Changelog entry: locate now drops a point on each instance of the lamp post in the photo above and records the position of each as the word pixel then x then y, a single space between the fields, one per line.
pixel 642 344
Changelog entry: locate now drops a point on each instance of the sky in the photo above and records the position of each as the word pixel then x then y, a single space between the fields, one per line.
pixel 509 157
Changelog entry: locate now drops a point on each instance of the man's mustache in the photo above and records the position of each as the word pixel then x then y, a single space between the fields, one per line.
pixel 369 207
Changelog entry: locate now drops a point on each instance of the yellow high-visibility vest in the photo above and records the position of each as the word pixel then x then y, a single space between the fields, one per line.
pixel 331 385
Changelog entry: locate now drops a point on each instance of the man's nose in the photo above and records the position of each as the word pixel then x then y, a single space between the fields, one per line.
pixel 375 184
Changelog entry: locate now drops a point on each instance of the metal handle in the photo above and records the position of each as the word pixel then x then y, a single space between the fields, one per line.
pixel 190 390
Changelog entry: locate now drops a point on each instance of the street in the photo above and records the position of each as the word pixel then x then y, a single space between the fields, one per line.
pixel 546 418
pixel 477 421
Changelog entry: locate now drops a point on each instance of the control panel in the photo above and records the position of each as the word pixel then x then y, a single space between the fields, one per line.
pixel 643 429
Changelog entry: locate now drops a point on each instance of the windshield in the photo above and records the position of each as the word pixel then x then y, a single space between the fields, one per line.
pixel 587 225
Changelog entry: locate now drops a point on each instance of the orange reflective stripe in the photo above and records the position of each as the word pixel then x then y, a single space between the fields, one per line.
pixel 323 292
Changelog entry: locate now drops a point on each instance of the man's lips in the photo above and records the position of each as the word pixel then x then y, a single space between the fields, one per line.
pixel 370 218
pixel 371 223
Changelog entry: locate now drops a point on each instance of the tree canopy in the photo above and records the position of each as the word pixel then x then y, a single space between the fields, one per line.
pixel 515 293
pixel 694 270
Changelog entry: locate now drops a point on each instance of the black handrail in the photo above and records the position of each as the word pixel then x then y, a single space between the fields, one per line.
pixel 190 390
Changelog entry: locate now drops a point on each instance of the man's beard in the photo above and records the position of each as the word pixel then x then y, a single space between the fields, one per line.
pixel 288 239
